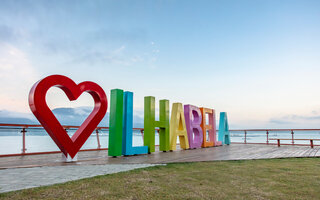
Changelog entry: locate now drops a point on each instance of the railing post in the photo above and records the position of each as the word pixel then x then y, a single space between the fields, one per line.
pixel 245 137
pixel 292 136
pixel 141 131
pixel 267 137
pixel 98 140
pixel 278 142
pixel 23 131
pixel 311 143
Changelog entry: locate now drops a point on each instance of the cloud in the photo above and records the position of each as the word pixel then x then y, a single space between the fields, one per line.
pixel 280 121
pixel 13 35
pixel 302 121
pixel 120 47
pixel 14 64
pixel 290 118
pixel 118 56
pixel 104 46
pixel 17 76
pixel 6 33
pixel 131 35
pixel 87 41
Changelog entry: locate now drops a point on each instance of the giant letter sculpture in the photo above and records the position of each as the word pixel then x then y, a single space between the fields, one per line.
pixel 150 124
pixel 211 128
pixel 193 121
pixel 224 134
pixel 39 107
pixel 178 128
pixel 127 148
pixel 115 123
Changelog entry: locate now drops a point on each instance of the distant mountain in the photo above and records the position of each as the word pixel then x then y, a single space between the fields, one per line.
pixel 10 117
pixel 76 116
pixel 66 116
pixel 16 120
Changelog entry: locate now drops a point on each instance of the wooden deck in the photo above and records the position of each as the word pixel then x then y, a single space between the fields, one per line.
pixel 231 152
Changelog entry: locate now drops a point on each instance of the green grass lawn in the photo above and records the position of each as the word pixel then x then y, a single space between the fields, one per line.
pixel 297 178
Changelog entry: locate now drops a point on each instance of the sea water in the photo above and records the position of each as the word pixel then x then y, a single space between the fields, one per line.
pixel 37 140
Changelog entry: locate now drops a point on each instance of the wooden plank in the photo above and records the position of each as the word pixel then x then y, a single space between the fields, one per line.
pixel 228 152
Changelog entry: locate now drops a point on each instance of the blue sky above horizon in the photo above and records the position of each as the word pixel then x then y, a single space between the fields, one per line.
pixel 257 60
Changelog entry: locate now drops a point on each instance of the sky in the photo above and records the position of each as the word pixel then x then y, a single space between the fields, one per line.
pixel 259 61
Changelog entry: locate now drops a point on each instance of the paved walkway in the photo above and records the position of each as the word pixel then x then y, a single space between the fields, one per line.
pixel 35 170
pixel 22 178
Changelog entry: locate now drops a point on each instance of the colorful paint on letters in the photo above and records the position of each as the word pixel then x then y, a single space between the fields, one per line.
pixel 115 123
pixel 178 128
pixel 224 134
pixel 211 128
pixel 193 119
pixel 150 124
pixel 127 148
pixel 189 123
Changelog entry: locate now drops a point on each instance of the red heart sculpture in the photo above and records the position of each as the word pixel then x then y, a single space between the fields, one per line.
pixel 39 107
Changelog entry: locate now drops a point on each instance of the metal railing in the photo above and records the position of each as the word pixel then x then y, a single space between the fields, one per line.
pixel 245 136
pixel 24 128
pixel 288 135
